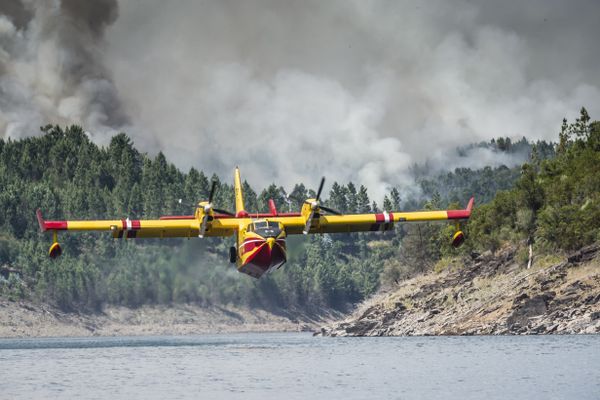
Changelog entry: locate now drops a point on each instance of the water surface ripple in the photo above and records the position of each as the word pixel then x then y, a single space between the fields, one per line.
pixel 298 366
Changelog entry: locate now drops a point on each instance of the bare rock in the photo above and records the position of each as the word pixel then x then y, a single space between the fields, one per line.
pixel 490 294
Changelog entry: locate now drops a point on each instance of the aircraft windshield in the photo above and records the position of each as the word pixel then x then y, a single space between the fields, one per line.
pixel 267 229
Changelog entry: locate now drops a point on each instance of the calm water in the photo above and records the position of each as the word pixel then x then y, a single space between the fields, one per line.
pixel 298 366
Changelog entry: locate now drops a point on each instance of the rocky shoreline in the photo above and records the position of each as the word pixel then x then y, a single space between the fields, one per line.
pixel 487 295
pixel 28 319
pixel 484 295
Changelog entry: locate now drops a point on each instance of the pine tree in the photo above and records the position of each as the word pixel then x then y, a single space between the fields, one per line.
pixel 362 200
pixel 297 196
pixel 272 192
pixel 352 199
pixel 387 204
pixel 581 128
pixel 250 198
pixel 337 198
pixel 395 199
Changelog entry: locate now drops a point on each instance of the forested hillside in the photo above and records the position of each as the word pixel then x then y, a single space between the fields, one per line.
pixel 67 176
pixel 530 265
pixel 462 183
pixel 555 204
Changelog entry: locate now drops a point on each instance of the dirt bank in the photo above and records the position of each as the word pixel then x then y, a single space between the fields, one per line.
pixel 488 294
pixel 26 319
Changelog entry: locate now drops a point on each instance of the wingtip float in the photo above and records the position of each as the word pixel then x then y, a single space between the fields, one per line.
pixel 260 237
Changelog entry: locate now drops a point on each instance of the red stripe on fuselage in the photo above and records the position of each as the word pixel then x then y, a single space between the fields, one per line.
pixel 135 224
pixel 251 244
pixel 379 218
pixel 266 258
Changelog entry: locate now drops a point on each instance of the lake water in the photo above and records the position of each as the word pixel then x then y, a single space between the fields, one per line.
pixel 299 366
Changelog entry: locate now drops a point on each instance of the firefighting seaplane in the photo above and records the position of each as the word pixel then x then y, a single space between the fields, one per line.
pixel 260 237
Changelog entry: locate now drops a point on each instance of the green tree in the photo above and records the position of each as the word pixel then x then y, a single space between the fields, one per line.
pixel 362 201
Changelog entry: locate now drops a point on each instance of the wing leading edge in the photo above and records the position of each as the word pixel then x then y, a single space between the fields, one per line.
pixel 210 221
pixel 226 226
pixel 370 222
pixel 138 228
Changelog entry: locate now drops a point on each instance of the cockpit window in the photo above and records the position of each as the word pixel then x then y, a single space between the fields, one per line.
pixel 266 228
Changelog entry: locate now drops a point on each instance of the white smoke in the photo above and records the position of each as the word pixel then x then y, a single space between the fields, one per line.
pixel 290 91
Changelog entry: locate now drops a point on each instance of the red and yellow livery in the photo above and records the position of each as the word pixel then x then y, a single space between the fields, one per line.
pixel 260 238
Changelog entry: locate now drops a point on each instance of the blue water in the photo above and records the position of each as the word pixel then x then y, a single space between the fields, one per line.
pixel 298 366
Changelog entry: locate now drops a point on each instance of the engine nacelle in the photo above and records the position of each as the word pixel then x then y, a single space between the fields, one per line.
pixel 55 250
pixel 458 239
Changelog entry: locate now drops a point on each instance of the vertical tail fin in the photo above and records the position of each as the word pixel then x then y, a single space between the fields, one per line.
pixel 239 197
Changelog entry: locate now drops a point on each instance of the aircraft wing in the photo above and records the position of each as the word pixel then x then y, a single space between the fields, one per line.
pixel 324 223
pixel 141 228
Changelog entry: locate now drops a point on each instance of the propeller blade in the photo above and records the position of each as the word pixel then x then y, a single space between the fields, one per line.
pixel 308 223
pixel 223 212
pixel 330 210
pixel 212 191
pixel 203 226
pixel 320 188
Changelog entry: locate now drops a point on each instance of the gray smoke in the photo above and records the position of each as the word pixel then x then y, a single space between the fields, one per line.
pixel 290 91
pixel 52 66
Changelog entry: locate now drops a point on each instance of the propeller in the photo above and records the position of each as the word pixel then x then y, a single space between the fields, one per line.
pixel 206 210
pixel 221 211
pixel 207 207
pixel 315 205
pixel 213 188
pixel 203 225
pixel 330 210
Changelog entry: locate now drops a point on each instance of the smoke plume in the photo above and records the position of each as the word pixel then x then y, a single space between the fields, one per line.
pixel 290 91
pixel 52 66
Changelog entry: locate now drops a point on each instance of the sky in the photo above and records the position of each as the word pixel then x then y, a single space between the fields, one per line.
pixel 294 90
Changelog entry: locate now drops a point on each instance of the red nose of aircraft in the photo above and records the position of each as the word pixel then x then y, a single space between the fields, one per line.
pixel 264 255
